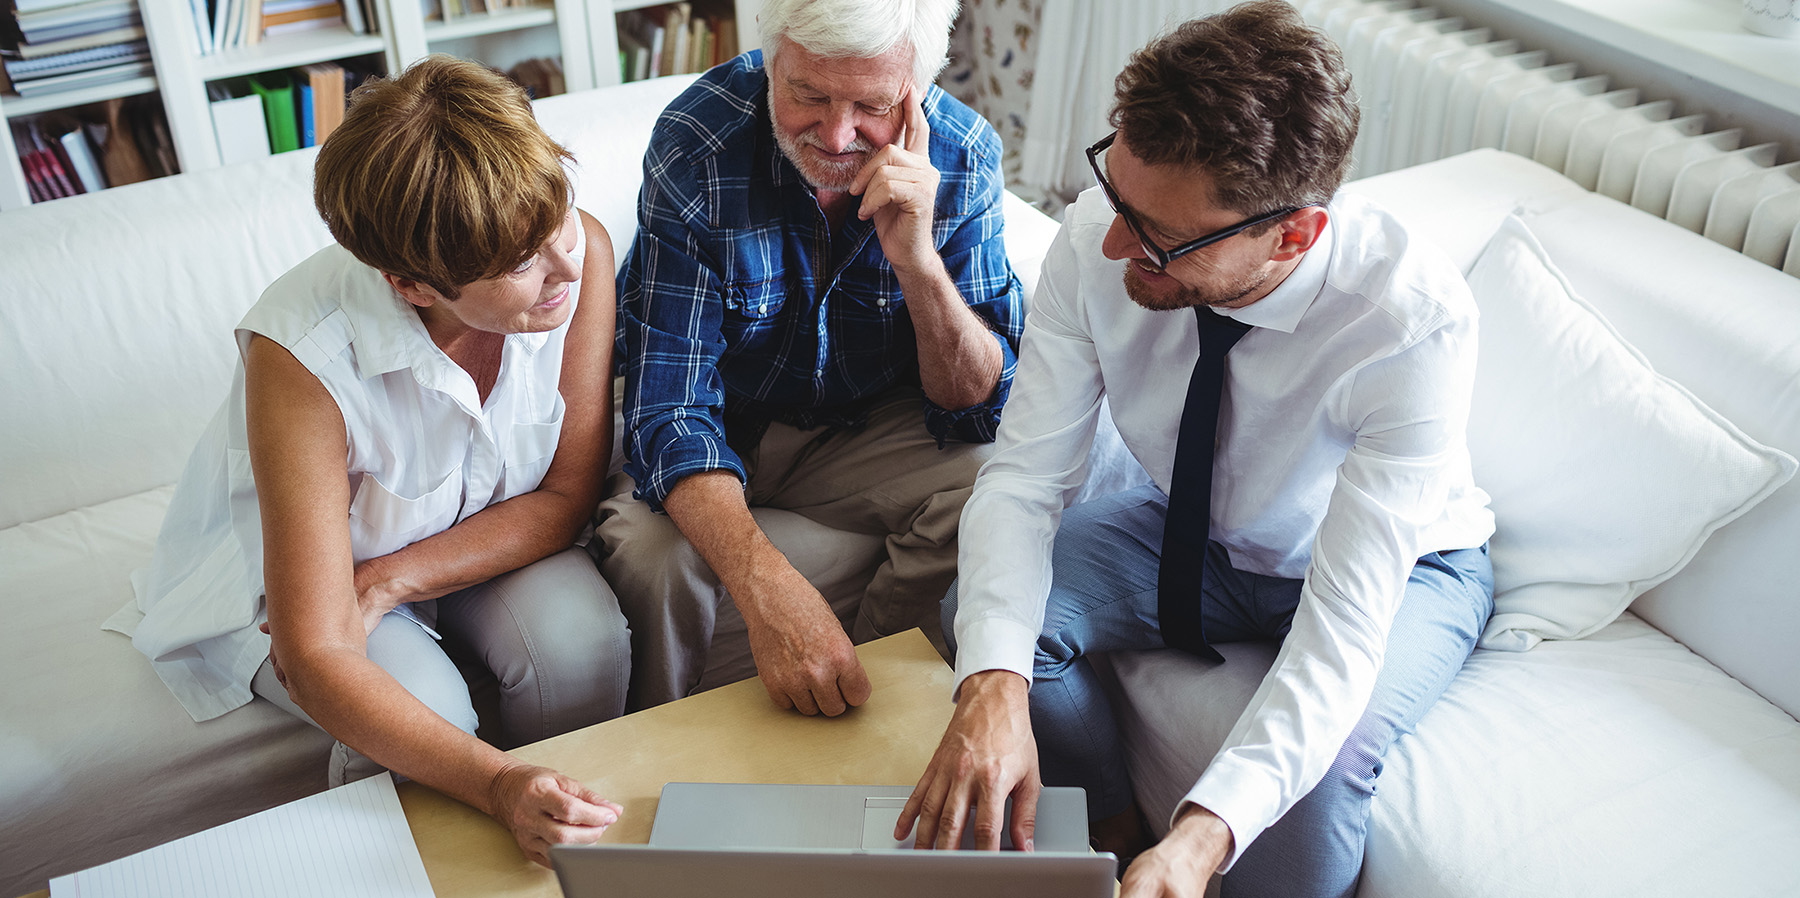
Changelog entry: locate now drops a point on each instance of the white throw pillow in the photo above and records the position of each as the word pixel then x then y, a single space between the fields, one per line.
pixel 1606 477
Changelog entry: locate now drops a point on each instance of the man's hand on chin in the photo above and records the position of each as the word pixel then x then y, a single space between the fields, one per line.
pixel 1180 865
pixel 805 660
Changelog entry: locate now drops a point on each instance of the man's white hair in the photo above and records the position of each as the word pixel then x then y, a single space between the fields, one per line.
pixel 862 29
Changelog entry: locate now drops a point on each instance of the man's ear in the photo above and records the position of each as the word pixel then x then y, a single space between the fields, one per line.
pixel 1299 231
pixel 416 292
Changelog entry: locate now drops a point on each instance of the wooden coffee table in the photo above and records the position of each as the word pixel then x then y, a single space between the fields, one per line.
pixel 730 734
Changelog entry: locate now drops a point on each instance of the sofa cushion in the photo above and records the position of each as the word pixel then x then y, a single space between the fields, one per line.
pixel 97 760
pixel 1605 476
pixel 1724 326
pixel 1619 764
pixel 119 306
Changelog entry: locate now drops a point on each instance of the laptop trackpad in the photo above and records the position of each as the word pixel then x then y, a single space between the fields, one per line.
pixel 880 814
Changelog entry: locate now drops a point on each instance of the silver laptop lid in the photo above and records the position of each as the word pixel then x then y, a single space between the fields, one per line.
pixel 755 815
pixel 645 871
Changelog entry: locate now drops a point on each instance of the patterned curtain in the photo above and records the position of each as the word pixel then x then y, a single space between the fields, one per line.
pixel 1042 71
pixel 991 64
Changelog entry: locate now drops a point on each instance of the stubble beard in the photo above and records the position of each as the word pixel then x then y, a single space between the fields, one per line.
pixel 819 174
pixel 1185 296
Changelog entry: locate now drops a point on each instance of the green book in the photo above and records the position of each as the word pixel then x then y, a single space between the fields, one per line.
pixel 277 93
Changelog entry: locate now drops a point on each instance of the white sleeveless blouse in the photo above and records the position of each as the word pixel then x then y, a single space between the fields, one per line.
pixel 423 453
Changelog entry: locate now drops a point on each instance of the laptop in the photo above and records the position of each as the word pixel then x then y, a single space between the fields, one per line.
pixel 791 841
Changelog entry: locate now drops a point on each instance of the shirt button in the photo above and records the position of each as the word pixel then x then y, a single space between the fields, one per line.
pixel 762 309
pixel 881 301
pixel 819 372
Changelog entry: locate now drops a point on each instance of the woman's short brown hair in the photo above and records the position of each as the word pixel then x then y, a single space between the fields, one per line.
pixel 441 175
pixel 1253 96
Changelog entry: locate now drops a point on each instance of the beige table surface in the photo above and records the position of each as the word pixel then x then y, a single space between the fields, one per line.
pixel 731 734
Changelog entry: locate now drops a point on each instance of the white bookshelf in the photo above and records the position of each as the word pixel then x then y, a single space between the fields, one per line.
pixel 400 35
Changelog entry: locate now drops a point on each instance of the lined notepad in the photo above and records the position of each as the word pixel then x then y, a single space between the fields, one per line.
pixel 348 841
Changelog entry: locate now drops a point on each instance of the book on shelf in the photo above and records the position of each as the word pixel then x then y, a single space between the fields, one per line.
pixel 678 36
pixel 111 74
pixel 303 108
pixel 239 125
pixel 541 77
pixel 81 157
pixel 120 159
pixel 277 92
pixel 356 18
pixel 284 16
pixel 75 60
pixel 323 85
pixel 44 161
pixel 150 136
pixel 76 20
pixel 114 36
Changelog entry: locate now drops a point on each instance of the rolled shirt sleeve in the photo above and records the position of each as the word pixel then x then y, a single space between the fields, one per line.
pixel 670 321
pixel 972 243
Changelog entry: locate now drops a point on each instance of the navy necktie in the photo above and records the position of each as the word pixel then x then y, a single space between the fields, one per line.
pixel 1190 491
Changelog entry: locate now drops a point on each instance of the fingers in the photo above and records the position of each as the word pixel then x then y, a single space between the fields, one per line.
pixel 548 808
pixel 855 684
pixel 930 811
pixel 911 189
pixel 909 814
pixel 584 806
pixel 803 701
pixel 1024 815
pixel 952 815
pixel 990 811
pixel 917 133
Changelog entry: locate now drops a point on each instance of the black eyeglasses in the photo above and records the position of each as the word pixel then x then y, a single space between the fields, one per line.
pixel 1161 256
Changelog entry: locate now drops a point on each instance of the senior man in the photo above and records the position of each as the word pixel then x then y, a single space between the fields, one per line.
pixel 1294 369
pixel 818 315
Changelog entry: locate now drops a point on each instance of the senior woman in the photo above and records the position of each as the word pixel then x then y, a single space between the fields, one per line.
pixel 414 440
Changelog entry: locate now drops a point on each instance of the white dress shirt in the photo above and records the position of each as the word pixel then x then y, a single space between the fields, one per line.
pixel 423 453
pixel 1341 460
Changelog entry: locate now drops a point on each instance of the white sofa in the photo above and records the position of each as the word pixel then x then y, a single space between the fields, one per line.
pixel 116 312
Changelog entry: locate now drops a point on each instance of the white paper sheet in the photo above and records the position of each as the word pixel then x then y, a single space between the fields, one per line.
pixel 348 841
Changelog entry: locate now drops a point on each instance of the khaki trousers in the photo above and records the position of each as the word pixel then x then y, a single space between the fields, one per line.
pixel 887 479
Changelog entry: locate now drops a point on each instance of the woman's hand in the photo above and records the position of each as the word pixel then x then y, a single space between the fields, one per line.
pixel 542 808
pixel 378 591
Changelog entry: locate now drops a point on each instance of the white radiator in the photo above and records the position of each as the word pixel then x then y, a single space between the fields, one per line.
pixel 1432 86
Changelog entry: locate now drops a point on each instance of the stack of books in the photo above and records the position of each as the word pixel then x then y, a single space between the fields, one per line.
pixel 280 111
pixel 675 39
pixel 48 46
pixel 227 24
pixel 115 143
pixel 451 10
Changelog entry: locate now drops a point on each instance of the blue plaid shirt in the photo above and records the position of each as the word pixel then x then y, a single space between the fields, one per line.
pixel 738 301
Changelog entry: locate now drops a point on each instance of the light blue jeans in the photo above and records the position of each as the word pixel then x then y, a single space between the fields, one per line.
pixel 550 632
pixel 1104 599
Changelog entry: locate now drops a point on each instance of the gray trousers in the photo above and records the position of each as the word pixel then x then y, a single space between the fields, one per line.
pixel 887 479
pixel 551 633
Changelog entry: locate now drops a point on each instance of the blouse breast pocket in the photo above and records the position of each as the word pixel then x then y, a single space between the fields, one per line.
pixel 383 521
pixel 533 448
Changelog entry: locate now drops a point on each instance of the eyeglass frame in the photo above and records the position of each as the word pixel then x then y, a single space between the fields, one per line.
pixel 1161 256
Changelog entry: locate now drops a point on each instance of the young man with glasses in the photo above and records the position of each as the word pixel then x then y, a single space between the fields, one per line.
pixel 1294 370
